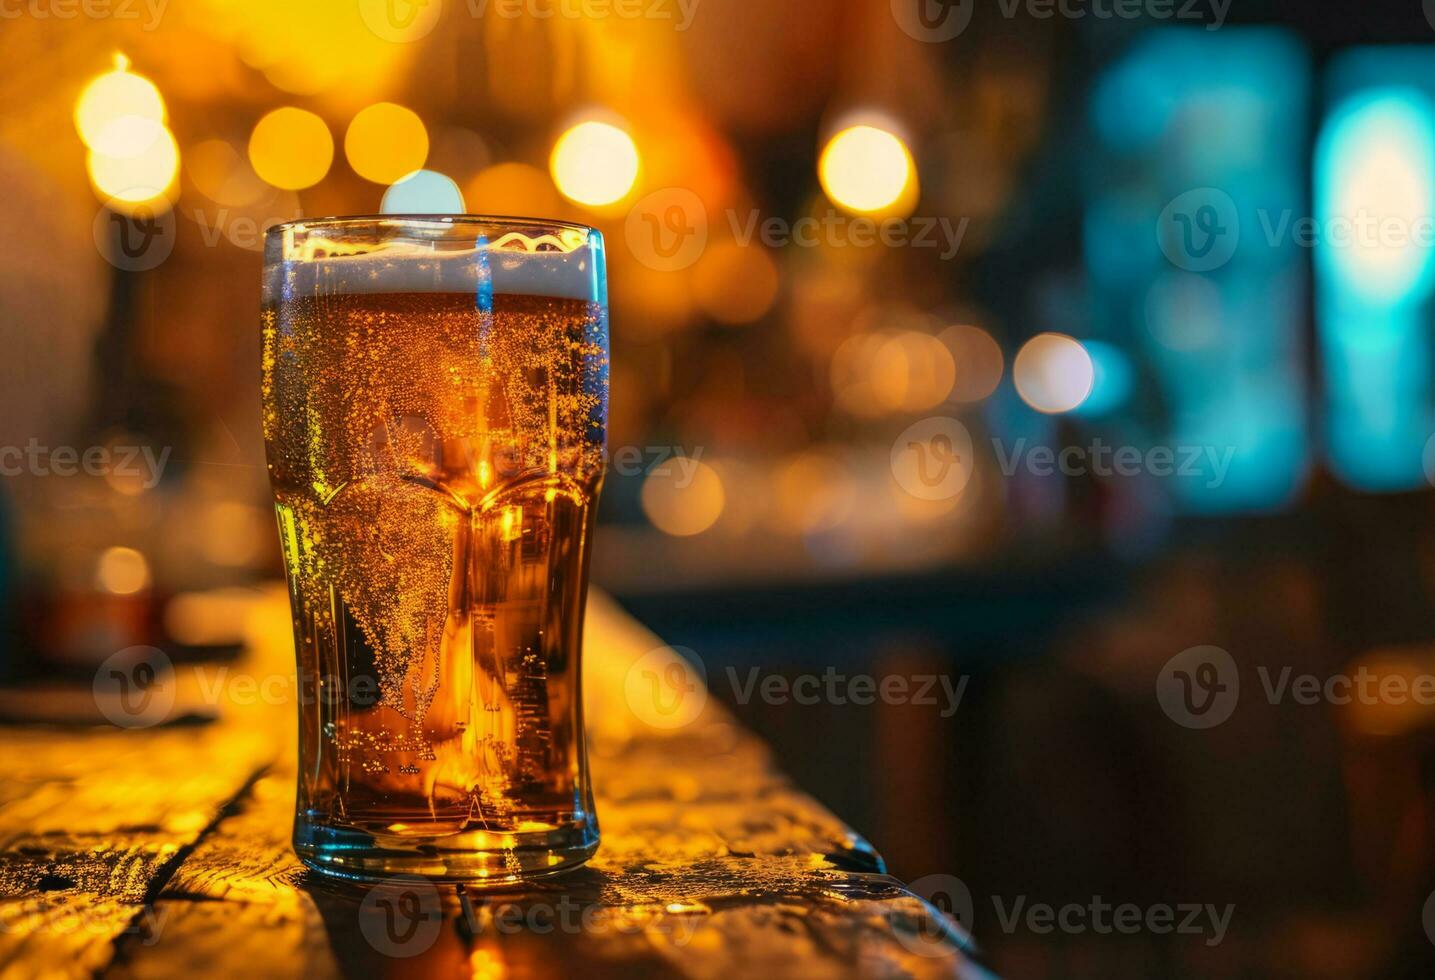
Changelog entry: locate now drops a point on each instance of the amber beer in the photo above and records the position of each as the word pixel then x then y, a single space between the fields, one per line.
pixel 435 406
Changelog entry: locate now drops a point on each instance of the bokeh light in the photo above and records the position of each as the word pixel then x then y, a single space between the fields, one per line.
pixel 1053 373
pixel 1112 379
pixel 814 492
pixel 386 142
pixel 683 497
pixel 867 170
pixel 121 571
pixel 1375 160
pixel 291 148
pixel 143 165
pixel 222 174
pixel 424 192
pixel 595 164
pixel 734 283
pixel 115 95
pixel 978 361
pixel 875 374
pixel 513 188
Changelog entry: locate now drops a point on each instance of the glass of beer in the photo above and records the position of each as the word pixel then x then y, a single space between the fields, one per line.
pixel 435 398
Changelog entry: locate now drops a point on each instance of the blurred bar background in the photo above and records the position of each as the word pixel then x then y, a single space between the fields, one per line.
pixel 1118 233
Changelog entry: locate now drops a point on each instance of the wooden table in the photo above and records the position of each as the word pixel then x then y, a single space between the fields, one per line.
pixel 164 852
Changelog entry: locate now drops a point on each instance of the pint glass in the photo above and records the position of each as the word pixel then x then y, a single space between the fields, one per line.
pixel 435 398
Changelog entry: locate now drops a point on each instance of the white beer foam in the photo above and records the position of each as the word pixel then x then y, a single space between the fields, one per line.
pixel 410 268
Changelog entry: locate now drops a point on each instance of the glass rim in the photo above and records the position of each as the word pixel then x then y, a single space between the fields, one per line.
pixel 353 220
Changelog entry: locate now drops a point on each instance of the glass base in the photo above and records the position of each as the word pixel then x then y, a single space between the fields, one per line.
pixel 475 857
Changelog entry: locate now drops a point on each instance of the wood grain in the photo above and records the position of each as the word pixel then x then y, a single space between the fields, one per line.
pixel 165 852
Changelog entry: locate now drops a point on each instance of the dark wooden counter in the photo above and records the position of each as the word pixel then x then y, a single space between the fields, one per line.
pixel 164 852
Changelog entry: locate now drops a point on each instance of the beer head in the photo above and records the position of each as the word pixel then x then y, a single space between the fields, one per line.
pixel 445 255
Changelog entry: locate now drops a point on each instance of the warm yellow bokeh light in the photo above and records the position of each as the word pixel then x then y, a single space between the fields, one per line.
pixel 875 374
pixel 814 491
pixel 867 170
pixel 1053 373
pixel 112 96
pixel 512 188
pixel 223 175
pixel 386 142
pixel 683 497
pixel 735 283
pixel 595 164
pixel 145 165
pixel 122 571
pixel 291 148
